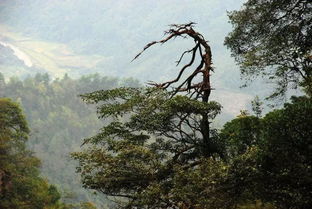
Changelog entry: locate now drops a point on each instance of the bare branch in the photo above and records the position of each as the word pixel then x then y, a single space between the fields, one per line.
pixel 188 51
pixel 202 88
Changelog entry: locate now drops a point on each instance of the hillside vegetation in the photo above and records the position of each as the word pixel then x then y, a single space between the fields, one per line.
pixel 58 120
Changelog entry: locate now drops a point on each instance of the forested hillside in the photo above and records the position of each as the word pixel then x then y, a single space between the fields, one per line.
pixel 80 37
pixel 112 30
pixel 58 120
pixel 20 183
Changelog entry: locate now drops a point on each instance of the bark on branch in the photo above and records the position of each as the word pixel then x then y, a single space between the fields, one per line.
pixel 202 49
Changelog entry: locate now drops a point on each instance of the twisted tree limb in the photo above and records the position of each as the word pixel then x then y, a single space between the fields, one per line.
pixel 200 89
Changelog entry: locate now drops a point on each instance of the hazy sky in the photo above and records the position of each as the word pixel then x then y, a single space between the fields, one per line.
pixel 117 30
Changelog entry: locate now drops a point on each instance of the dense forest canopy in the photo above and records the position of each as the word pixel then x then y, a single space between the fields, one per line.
pixel 20 183
pixel 58 120
pixel 81 37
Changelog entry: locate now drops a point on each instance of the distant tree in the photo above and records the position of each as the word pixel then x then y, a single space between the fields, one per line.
pixel 58 119
pixel 20 184
pixel 274 39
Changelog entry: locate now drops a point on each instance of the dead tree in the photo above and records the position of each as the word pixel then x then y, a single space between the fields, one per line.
pixel 197 90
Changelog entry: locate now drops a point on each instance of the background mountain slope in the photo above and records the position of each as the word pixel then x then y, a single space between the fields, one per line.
pixel 81 37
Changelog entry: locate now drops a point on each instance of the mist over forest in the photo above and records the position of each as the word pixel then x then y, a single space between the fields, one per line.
pixel 103 124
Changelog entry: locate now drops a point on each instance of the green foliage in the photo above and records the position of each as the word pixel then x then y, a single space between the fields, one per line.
pixel 204 187
pixel 58 119
pixel 240 134
pixel 20 184
pixel 273 39
pixel 152 140
pixel 277 168
pixel 287 155
pixel 141 158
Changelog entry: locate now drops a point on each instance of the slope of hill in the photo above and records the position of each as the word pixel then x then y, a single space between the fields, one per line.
pixel 59 120
pixel 80 37
pixel 32 56
pixel 115 31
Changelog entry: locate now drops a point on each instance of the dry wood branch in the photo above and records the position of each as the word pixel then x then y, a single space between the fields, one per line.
pixel 201 48
pixel 186 52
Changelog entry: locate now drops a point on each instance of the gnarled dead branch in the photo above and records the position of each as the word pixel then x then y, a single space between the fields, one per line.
pixel 202 49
